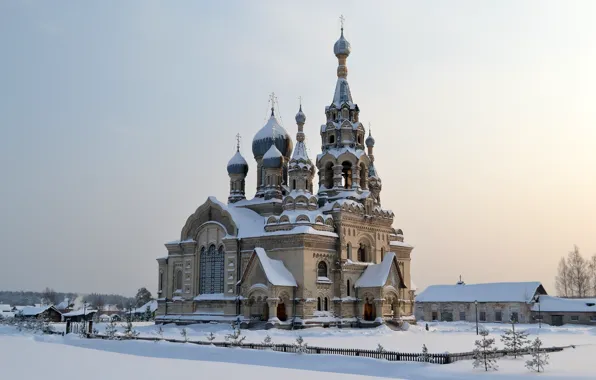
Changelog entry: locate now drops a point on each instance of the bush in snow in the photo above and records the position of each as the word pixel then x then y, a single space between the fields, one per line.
pixel 235 338
pixel 184 334
pixel 111 330
pixel 301 346
pixel 268 341
pixel 515 341
pixel 425 357
pixel 160 332
pixel 485 352
pixel 539 358
pixel 211 337
pixel 129 330
pixel 380 348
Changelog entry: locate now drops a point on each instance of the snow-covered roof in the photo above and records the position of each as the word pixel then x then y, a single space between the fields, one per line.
pixel 275 270
pixel 83 311
pixel 30 311
pixel 556 304
pixel 395 243
pixel 63 305
pixel 215 297
pixel 143 309
pixel 5 308
pixel 342 93
pixel 490 292
pixel 375 275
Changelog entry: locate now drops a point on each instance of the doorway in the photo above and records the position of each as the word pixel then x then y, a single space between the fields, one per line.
pixel 369 314
pixel 557 320
pixel 281 312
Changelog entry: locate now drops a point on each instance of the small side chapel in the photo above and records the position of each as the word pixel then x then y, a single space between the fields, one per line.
pixel 290 256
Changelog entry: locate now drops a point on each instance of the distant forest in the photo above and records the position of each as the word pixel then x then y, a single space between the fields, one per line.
pixel 25 298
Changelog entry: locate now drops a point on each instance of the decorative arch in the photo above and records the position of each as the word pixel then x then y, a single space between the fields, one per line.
pixel 284 219
pixel 319 220
pixel 210 211
pixel 271 220
pixel 302 218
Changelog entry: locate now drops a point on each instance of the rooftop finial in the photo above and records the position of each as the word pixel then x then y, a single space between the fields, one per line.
pixel 237 142
pixel 369 133
pixel 272 99
pixel 342 19
pixel 300 100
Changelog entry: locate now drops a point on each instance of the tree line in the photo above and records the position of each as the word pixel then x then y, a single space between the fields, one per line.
pixel 576 275
pixel 51 297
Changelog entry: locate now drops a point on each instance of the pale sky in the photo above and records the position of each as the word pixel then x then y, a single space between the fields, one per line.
pixel 118 119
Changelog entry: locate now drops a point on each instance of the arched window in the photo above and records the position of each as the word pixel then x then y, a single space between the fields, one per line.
pixel 211 278
pixel 326 304
pixel 362 253
pixel 179 280
pixel 331 139
pixel 319 303
pixel 347 174
pixel 322 269
pixel 306 185
pixel 349 250
pixel 359 139
pixel 348 288
pixel 293 184
pixel 329 175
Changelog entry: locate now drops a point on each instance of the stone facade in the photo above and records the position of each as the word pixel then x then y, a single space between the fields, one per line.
pixel 493 312
pixel 289 255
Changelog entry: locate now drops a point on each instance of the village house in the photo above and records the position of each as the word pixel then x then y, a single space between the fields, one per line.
pixel 40 312
pixel 84 314
pixel 491 302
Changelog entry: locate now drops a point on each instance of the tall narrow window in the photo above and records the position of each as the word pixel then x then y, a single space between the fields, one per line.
pixel 348 288
pixel 160 281
pixel 293 184
pixel 326 304
pixel 361 253
pixel 382 253
pixel 349 249
pixel 319 303
pixel 212 270
pixel 363 176
pixel 331 139
pixel 179 280
pixel 329 175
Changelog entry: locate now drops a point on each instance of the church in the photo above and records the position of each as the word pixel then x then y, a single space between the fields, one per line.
pixel 290 257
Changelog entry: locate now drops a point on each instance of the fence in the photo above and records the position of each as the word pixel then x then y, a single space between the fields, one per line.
pixel 386 355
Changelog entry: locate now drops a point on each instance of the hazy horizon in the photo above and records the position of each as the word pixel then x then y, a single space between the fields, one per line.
pixel 119 119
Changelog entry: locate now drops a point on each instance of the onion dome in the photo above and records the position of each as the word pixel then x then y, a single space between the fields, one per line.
pixel 300 116
pixel 342 46
pixel 370 141
pixel 273 158
pixel 272 134
pixel 237 165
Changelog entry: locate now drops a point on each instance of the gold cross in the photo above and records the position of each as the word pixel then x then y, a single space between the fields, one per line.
pixel 342 19
pixel 237 142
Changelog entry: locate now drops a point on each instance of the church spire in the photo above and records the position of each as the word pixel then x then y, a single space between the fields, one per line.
pixel 300 169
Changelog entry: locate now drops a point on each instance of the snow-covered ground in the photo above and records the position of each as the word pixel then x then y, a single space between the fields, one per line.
pixel 151 360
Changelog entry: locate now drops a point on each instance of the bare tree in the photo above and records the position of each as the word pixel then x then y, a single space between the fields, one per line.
pixel 592 273
pixel 49 296
pixel 578 273
pixel 563 283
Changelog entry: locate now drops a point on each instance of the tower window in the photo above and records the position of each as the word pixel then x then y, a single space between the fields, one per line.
pixel 293 184
pixel 347 174
pixel 329 175
pixel 348 288
pixel 331 139
pixel 362 253
pixel 359 139
pixel 319 303
pixel 322 269
pixel 326 304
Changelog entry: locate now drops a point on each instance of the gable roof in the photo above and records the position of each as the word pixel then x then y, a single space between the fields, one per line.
pixel 31 311
pixel 550 303
pixel 376 275
pixel 490 292
pixel 75 313
pixel 5 308
pixel 152 305
pixel 275 270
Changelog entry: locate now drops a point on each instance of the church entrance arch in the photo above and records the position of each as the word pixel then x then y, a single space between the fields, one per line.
pixel 281 312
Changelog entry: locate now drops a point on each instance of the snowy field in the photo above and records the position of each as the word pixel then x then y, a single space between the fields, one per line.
pixel 150 360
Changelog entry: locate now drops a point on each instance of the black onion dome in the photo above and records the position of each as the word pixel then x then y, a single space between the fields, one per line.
pixel 370 141
pixel 237 165
pixel 273 158
pixel 272 134
pixel 300 116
